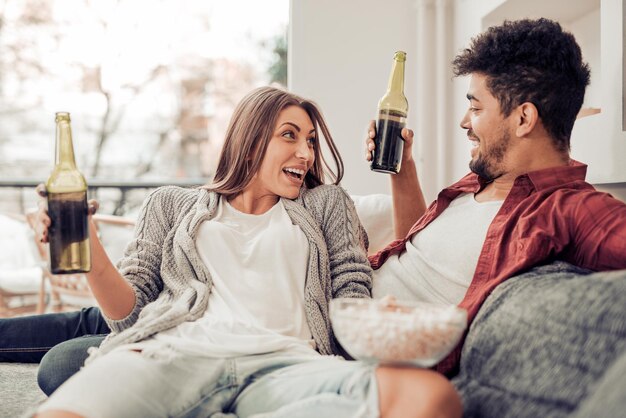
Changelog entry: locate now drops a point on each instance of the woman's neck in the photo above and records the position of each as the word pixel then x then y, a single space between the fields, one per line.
pixel 253 204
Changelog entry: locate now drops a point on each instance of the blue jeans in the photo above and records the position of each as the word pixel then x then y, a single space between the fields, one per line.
pixel 26 339
pixel 58 340
pixel 163 381
pixel 63 361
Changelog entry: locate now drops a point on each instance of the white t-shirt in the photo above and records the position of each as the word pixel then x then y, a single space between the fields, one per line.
pixel 439 262
pixel 258 264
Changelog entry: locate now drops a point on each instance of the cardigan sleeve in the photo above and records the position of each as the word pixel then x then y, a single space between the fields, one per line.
pixel 141 263
pixel 346 240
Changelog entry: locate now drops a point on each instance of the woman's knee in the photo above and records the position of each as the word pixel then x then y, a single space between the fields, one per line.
pixel 63 361
pixel 406 392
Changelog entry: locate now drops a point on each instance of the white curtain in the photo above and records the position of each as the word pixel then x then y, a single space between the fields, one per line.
pixel 434 95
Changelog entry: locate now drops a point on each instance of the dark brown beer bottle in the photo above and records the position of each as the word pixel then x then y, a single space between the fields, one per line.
pixel 67 207
pixel 392 111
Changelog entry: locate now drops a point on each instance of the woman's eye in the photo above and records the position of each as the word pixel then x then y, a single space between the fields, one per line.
pixel 312 141
pixel 473 109
pixel 289 134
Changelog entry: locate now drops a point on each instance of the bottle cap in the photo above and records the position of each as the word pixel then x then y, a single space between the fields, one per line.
pixel 62 116
pixel 400 56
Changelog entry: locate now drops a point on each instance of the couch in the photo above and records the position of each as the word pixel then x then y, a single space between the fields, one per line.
pixel 548 343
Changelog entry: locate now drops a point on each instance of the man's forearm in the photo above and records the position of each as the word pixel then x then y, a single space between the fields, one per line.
pixel 408 199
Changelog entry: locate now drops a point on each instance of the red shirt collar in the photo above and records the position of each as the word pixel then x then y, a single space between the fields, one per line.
pixel 555 176
pixel 540 179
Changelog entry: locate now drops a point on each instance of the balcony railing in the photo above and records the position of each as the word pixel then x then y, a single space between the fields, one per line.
pixel 123 186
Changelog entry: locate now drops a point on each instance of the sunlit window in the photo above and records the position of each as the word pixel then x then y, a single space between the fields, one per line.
pixel 150 84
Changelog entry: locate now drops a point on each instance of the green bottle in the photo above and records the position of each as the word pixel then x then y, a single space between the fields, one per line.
pixel 67 207
pixel 392 112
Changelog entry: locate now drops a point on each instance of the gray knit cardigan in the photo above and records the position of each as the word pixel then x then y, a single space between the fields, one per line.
pixel 172 284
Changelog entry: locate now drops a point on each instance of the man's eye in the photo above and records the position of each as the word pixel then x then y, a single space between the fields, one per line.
pixel 473 109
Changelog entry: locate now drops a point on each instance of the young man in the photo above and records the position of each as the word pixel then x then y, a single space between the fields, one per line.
pixel 524 204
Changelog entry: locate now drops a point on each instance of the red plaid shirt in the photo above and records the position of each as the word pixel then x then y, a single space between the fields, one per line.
pixel 550 214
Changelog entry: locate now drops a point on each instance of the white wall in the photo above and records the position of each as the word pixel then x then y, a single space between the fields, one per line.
pixel 467 15
pixel 340 55
pixel 599 140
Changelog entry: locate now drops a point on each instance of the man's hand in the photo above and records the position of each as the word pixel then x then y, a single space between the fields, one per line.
pixel 407 137
pixel 408 199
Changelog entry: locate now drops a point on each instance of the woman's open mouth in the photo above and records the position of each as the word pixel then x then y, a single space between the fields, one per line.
pixel 294 174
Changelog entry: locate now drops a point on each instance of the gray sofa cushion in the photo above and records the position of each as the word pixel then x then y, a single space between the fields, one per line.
pixel 608 398
pixel 541 342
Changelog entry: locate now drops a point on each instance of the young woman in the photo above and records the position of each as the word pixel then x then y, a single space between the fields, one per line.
pixel 220 304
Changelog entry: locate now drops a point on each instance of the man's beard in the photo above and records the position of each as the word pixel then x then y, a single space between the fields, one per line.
pixel 487 163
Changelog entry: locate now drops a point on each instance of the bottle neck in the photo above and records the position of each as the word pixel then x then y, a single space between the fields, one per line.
pixel 64 156
pixel 396 78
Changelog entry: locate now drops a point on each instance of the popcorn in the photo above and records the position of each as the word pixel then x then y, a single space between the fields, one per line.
pixel 419 334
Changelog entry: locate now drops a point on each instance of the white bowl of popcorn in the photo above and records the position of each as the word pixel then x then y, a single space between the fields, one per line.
pixel 386 331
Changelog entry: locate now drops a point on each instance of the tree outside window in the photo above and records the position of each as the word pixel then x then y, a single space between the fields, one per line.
pixel 150 84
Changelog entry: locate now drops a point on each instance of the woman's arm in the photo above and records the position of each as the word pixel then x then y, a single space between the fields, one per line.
pixel 123 292
pixel 114 294
pixel 141 264
pixel 346 241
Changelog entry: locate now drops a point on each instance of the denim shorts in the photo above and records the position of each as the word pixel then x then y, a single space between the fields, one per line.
pixel 163 382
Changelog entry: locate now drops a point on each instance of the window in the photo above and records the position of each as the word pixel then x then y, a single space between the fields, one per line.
pixel 150 84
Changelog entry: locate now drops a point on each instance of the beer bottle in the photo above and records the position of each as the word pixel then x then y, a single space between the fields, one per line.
pixel 67 207
pixel 392 111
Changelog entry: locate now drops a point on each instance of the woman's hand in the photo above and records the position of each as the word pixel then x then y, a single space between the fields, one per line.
pixel 407 137
pixel 43 221
pixel 114 295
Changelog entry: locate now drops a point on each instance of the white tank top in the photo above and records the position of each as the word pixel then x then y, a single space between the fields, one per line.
pixel 439 262
pixel 258 264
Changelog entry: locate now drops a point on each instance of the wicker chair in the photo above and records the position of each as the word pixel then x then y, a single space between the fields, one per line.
pixel 71 291
pixel 21 289
pixel 22 301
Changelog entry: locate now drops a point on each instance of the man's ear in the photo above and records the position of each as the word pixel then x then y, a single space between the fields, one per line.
pixel 527 119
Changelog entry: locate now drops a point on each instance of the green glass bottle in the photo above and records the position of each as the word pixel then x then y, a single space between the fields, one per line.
pixel 392 112
pixel 67 207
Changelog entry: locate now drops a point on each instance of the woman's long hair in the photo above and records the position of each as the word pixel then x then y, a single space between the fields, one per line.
pixel 250 129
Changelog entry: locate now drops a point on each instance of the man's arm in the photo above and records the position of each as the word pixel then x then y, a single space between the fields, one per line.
pixel 408 199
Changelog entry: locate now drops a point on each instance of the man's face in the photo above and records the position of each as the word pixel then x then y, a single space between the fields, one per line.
pixel 488 130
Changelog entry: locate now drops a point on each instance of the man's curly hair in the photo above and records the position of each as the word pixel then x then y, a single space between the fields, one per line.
pixel 531 61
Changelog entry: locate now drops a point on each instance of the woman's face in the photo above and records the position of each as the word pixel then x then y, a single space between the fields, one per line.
pixel 289 156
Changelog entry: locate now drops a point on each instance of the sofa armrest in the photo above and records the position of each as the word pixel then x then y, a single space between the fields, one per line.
pixel 376 214
pixel 541 342
pixel 607 397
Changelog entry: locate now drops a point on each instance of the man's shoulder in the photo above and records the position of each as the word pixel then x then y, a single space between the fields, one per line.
pixel 580 190
pixel 581 199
